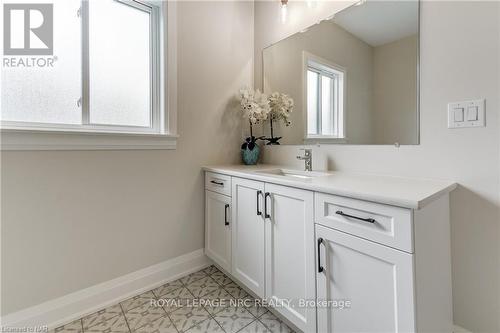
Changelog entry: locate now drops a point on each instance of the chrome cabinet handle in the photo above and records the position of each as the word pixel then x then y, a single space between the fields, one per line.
pixel 226 222
pixel 217 183
pixel 266 215
pixel 320 268
pixel 369 220
pixel 259 193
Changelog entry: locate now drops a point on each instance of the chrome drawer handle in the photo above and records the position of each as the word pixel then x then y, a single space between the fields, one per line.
pixel 369 220
pixel 217 183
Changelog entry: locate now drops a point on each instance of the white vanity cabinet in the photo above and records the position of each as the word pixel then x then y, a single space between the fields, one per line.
pixel 248 234
pixel 218 219
pixel 392 264
pixel 372 285
pixel 290 252
pixel 273 252
pixel 375 260
pixel 365 258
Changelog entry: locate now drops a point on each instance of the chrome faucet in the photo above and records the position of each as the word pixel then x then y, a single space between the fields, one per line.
pixel 307 158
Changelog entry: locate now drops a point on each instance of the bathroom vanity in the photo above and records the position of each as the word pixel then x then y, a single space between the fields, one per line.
pixel 339 252
pixel 343 252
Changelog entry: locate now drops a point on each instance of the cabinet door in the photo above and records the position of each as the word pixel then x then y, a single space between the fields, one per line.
pixel 290 268
pixel 248 234
pixel 375 279
pixel 218 228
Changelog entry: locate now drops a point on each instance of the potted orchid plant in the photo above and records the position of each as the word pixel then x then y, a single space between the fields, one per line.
pixel 255 108
pixel 281 106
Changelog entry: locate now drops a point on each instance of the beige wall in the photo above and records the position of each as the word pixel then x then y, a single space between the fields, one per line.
pixel 74 219
pixel 394 92
pixel 459 61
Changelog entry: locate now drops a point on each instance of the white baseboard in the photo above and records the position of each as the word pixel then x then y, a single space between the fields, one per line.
pixel 60 311
pixel 459 329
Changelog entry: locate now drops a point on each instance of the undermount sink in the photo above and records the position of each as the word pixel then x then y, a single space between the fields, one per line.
pixel 295 174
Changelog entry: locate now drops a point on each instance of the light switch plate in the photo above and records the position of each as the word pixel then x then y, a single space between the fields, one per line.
pixel 467 114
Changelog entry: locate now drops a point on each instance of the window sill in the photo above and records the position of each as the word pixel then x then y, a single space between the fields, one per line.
pixel 324 139
pixel 23 139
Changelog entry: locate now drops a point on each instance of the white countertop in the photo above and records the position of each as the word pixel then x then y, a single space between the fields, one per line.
pixel 396 191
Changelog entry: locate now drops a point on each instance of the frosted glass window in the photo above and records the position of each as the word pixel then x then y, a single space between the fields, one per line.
pixel 120 64
pixel 105 74
pixel 47 94
pixel 325 101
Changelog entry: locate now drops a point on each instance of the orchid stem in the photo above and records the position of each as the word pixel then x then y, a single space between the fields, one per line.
pixel 272 135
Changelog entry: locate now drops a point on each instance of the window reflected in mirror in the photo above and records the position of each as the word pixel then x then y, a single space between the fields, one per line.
pixel 325 100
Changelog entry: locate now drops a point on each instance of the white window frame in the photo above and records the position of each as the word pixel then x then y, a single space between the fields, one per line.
pixel 326 68
pixel 163 131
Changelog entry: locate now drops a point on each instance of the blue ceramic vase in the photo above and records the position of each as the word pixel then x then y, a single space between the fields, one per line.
pixel 250 157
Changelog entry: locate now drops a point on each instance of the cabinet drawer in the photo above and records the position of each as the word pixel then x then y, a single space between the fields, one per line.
pixel 388 225
pixel 218 183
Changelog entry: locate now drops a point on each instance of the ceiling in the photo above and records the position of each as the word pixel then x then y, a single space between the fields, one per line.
pixel 380 22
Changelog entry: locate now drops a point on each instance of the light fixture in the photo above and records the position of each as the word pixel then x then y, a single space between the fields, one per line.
pixel 284 4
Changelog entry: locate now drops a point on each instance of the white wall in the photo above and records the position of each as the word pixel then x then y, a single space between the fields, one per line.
pixel 74 219
pixel 459 61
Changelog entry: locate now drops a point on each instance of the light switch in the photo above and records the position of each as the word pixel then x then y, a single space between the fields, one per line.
pixel 458 114
pixel 472 113
pixel 467 114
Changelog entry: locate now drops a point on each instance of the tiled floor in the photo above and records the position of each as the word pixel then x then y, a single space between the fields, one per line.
pixel 176 310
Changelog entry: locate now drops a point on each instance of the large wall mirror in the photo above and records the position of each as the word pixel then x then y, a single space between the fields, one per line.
pixel 353 78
